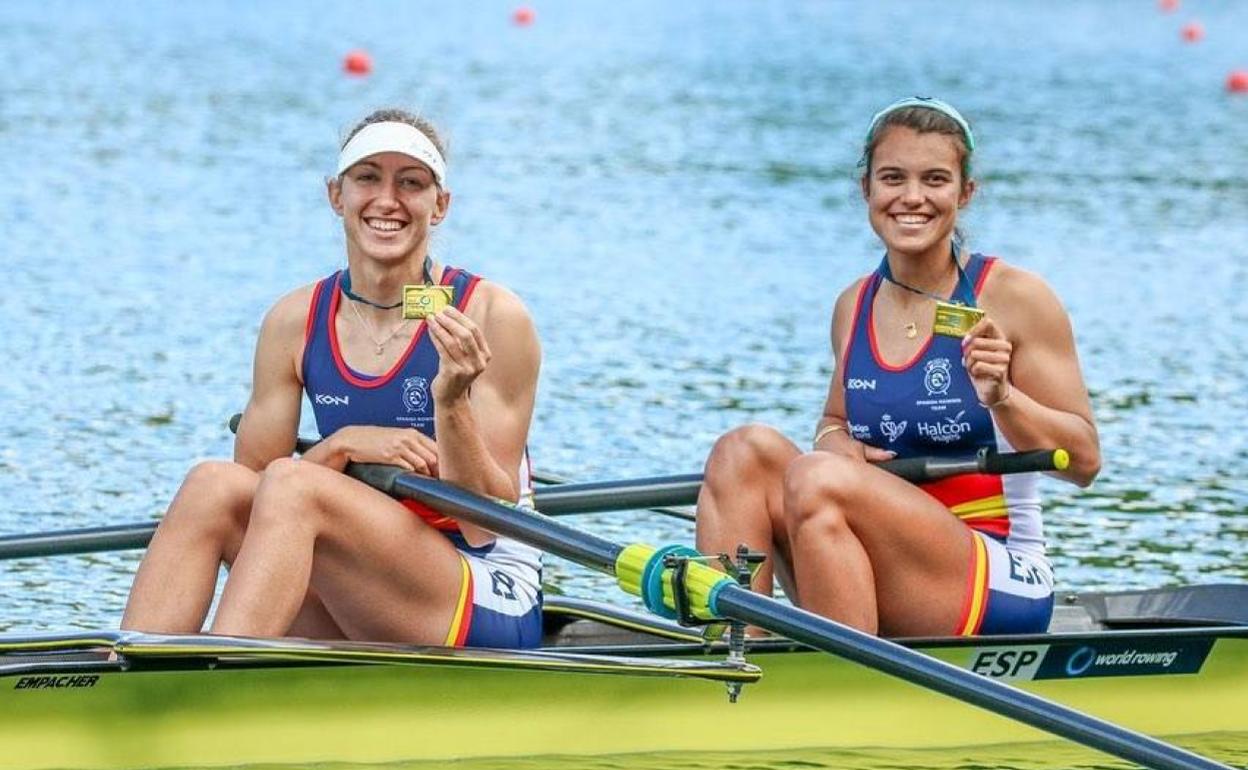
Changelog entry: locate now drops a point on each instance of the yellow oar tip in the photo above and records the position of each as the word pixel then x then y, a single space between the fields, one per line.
pixel 1061 459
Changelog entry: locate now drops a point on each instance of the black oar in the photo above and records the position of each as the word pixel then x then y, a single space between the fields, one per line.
pixel 652 493
pixel 644 570
pixel 665 510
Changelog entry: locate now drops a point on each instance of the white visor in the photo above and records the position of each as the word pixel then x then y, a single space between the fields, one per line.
pixel 392 136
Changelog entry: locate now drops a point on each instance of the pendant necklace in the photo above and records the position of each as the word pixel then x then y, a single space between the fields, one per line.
pixel 379 345
pixel 964 287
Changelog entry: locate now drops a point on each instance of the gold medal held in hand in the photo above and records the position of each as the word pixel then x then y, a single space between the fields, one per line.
pixel 955 320
pixel 423 300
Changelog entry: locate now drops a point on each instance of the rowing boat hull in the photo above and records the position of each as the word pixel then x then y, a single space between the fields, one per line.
pixel 173 710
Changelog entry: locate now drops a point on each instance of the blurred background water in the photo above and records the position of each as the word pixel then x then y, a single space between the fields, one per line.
pixel 671 189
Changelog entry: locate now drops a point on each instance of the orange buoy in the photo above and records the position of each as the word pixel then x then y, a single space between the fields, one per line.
pixel 523 16
pixel 358 63
pixel 1237 82
pixel 1168 6
pixel 1193 32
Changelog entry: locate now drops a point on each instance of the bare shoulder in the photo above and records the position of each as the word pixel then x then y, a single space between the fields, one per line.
pixel 848 298
pixel 1020 298
pixel 843 312
pixel 289 314
pixel 496 307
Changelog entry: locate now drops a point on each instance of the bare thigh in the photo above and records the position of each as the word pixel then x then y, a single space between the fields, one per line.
pixel 379 570
pixel 919 552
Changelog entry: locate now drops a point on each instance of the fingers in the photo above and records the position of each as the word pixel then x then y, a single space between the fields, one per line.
pixel 463 353
pixel 405 447
pixel 986 328
pixel 457 336
pixel 874 454
pixel 415 462
pixel 986 354
pixel 426 458
pixel 986 351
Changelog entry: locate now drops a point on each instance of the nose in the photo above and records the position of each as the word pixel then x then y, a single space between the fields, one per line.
pixel 912 194
pixel 388 192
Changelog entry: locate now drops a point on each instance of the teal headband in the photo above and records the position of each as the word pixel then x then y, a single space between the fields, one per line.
pixel 926 102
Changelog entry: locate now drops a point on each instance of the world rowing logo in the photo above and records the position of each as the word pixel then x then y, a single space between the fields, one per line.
pixel 892 430
pixel 416 394
pixel 936 377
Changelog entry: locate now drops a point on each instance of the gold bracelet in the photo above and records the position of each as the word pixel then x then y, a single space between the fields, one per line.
pixel 824 432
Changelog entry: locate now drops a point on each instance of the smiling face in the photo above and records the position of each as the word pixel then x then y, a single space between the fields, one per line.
pixel 388 202
pixel 914 189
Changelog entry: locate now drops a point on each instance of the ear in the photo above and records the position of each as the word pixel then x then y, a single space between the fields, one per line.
pixel 333 190
pixel 865 183
pixel 968 192
pixel 443 206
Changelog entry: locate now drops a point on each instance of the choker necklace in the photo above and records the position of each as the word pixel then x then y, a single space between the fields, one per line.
pixel 345 285
pixel 962 288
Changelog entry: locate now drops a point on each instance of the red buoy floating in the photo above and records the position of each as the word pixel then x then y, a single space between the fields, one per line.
pixel 1193 32
pixel 523 16
pixel 358 63
pixel 1237 82
pixel 1168 6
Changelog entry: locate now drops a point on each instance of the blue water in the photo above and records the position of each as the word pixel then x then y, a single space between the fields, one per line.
pixel 671 189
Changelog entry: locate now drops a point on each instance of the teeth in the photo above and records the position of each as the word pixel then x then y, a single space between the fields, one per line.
pixel 912 219
pixel 388 225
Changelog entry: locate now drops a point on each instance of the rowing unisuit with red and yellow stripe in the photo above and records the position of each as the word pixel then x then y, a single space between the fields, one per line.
pixel 928 406
pixel 500 597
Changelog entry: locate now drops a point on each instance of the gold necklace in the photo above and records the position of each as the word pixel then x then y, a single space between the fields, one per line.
pixel 378 344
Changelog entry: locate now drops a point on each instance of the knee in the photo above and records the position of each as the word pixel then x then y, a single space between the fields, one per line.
pixel 220 492
pixel 745 452
pixel 820 490
pixel 287 491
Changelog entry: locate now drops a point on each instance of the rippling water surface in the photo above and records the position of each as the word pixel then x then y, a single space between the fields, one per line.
pixel 669 186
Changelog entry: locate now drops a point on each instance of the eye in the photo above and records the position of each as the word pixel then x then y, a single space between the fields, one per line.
pixel 414 183
pixel 365 176
pixel 890 177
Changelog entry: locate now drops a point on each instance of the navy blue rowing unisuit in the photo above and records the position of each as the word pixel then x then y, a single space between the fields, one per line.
pixel 928 406
pixel 500 597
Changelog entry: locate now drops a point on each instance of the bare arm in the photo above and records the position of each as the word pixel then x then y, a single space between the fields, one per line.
pixel 482 429
pixel 1023 363
pixel 832 430
pixel 271 418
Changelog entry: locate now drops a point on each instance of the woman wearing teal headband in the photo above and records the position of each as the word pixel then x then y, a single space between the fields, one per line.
pixel 852 542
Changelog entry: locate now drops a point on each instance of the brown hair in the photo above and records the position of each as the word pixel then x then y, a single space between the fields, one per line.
pixel 396 115
pixel 924 120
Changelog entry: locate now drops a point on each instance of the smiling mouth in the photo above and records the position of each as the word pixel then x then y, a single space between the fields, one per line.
pixel 912 219
pixel 384 225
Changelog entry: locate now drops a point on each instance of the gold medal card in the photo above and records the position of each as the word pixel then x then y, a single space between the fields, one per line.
pixel 955 320
pixel 423 300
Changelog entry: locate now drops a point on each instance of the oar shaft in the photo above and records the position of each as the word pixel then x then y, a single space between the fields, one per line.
pixel 823 634
pixel 594 496
pixel 119 537
pixel 665 510
pixel 558 500
pixel 507 521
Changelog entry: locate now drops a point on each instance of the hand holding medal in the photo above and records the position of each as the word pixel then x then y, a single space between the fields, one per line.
pixel 986 356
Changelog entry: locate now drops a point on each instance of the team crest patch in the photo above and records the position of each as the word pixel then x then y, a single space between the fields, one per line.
pixel 937 377
pixel 416 394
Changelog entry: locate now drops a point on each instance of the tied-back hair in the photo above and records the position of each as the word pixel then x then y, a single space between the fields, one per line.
pixel 398 115
pixel 925 121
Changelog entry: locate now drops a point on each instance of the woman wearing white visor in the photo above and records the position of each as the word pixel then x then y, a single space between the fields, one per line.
pixel 313 552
